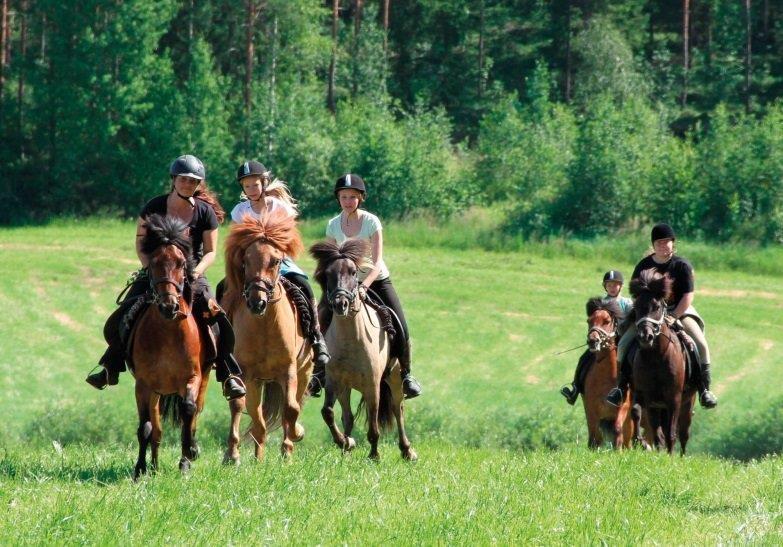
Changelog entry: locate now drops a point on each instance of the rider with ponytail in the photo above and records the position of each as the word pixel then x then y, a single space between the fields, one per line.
pixel 356 223
pixel 190 200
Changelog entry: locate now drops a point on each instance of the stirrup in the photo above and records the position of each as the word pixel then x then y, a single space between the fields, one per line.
pixel 316 384
pixel 570 393
pixel 236 394
pixel 707 399
pixel 615 397
pixel 104 375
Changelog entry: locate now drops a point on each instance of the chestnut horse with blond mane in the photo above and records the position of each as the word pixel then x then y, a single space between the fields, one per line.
pixel 169 360
pixel 360 350
pixel 603 419
pixel 272 350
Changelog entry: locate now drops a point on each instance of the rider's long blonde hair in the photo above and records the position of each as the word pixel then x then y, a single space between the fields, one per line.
pixel 277 189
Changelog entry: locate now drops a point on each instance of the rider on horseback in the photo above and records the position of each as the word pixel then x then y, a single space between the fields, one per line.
pixel 679 311
pixel 355 223
pixel 191 201
pixel 613 284
pixel 264 195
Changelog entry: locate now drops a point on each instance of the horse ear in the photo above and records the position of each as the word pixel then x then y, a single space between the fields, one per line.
pixel 661 286
pixel 636 287
pixel 592 305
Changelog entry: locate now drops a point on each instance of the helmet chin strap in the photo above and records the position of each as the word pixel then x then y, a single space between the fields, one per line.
pixel 189 199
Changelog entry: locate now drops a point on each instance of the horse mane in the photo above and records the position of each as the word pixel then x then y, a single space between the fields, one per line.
pixel 168 230
pixel 611 307
pixel 653 284
pixel 277 228
pixel 326 252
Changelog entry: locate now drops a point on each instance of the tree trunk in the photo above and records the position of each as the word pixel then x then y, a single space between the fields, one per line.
pixel 272 88
pixel 386 28
pixel 480 83
pixel 250 20
pixel 568 53
pixel 747 56
pixel 357 26
pixel 22 59
pixel 4 45
pixel 685 50
pixel 330 101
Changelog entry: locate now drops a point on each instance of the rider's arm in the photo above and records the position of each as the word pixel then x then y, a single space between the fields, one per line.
pixel 210 252
pixel 141 231
pixel 376 248
pixel 684 303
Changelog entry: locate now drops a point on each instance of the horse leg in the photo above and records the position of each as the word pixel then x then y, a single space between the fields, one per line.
pixel 290 413
pixel 686 416
pixel 202 394
pixel 144 431
pixel 594 437
pixel 620 427
pixel 303 378
pixel 237 406
pixel 373 429
pixel 327 413
pixel 188 410
pixel 653 415
pixel 395 383
pixel 345 404
pixel 672 424
pixel 258 427
pixel 157 429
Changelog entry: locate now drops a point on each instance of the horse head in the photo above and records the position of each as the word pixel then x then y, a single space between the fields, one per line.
pixel 338 272
pixel 601 324
pixel 255 249
pixel 170 263
pixel 650 290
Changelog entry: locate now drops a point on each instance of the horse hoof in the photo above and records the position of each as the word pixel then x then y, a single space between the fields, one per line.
pixel 195 451
pixel 374 457
pixel 299 432
pixel 410 455
pixel 184 465
pixel 229 459
pixel 138 472
pixel 350 444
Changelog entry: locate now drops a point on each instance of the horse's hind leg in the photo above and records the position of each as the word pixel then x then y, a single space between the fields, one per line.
pixel 327 413
pixel 686 416
pixel 395 384
pixel 237 406
pixel 671 426
pixel 373 428
pixel 144 431
pixel 290 414
pixel 347 415
pixel 188 410
pixel 157 428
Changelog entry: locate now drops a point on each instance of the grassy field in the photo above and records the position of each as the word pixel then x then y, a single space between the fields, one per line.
pixel 502 457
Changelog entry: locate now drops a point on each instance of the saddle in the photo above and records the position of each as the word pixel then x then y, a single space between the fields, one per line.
pixel 390 323
pixel 689 349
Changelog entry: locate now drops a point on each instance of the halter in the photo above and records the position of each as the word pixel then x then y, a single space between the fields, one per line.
pixel 656 323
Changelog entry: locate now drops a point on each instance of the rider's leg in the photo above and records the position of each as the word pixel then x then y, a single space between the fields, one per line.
pixel 208 313
pixel 571 391
pixel 318 378
pixel 316 338
pixel 385 290
pixel 706 397
pixel 616 395
pixel 113 359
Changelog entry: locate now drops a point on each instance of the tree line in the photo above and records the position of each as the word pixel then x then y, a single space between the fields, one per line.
pixel 576 116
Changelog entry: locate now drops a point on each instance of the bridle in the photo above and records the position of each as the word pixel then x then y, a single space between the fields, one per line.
pixel 605 338
pixel 263 284
pixel 351 296
pixel 656 323
pixel 157 297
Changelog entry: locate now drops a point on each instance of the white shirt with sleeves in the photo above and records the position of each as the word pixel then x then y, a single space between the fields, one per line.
pixel 370 225
pixel 272 204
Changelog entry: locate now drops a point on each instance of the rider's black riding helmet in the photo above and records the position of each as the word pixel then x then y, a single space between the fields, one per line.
pixel 662 231
pixel 613 275
pixel 188 166
pixel 252 168
pixel 351 182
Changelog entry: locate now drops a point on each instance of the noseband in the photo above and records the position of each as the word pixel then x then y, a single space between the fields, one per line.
pixel 266 286
pixel 157 297
pixel 604 338
pixel 349 295
pixel 656 323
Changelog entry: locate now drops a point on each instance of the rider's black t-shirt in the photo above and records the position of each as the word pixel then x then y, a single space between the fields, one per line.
pixel 679 269
pixel 204 219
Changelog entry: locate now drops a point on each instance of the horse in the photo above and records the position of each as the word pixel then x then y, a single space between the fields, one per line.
pixel 270 346
pixel 603 419
pixel 659 366
pixel 360 350
pixel 169 358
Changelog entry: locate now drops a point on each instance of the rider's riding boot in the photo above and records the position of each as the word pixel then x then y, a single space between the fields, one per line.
pixel 317 380
pixel 227 369
pixel 706 397
pixel 320 351
pixel 571 391
pixel 617 395
pixel 410 386
pixel 113 362
pixel 233 388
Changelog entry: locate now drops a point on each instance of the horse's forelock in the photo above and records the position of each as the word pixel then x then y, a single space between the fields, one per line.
pixel 165 230
pixel 610 306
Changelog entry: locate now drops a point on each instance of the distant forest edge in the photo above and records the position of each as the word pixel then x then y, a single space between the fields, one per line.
pixel 574 117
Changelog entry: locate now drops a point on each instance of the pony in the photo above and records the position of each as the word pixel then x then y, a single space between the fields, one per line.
pixel 270 346
pixel 659 366
pixel 169 358
pixel 603 419
pixel 360 350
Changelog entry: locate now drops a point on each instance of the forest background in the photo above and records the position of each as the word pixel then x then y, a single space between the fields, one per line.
pixel 570 117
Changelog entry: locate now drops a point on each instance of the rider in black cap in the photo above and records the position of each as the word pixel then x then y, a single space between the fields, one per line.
pixel 613 284
pixel 354 223
pixel 679 309
pixel 265 194
pixel 192 202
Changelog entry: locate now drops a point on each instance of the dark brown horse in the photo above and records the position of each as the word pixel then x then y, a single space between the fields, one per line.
pixel 169 358
pixel 659 366
pixel 360 350
pixel 603 418
pixel 271 348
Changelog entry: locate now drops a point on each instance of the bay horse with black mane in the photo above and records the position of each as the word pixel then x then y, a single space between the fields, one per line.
pixel 361 351
pixel 271 347
pixel 603 419
pixel 659 366
pixel 169 360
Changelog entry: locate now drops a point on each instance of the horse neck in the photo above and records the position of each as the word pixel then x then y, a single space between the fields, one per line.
pixel 351 326
pixel 606 360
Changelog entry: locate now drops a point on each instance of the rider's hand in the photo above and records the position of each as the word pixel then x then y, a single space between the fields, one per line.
pixel 362 292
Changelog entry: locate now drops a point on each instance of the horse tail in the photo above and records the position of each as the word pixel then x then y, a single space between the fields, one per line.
pixel 385 408
pixel 274 401
pixel 170 408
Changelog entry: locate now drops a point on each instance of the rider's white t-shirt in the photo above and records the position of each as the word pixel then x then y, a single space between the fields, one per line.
pixel 370 225
pixel 272 204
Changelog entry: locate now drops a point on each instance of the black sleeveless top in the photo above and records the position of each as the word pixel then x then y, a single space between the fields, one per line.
pixel 204 219
pixel 679 269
